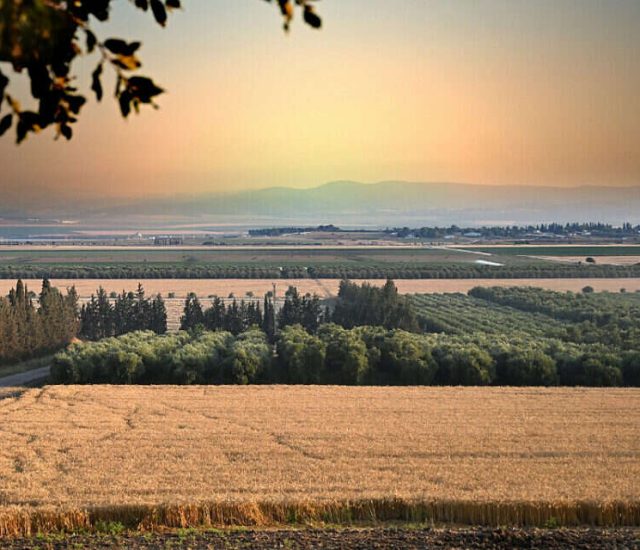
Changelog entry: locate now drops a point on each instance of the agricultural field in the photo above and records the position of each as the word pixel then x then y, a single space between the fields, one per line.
pixel 323 262
pixel 273 255
pixel 602 260
pixel 581 251
pixel 325 288
pixel 268 455
pixel 530 328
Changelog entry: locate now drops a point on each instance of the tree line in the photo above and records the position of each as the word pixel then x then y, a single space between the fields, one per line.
pixel 236 317
pixel 32 325
pixel 362 341
pixel 102 317
pixel 355 305
pixel 328 271
pixel 280 231
pixel 611 319
pixel 197 357
pixel 335 355
pixel 594 229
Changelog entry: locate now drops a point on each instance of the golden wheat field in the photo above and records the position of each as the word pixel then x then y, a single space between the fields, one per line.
pixel 263 455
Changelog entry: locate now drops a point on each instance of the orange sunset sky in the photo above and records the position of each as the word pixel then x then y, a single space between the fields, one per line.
pixel 482 91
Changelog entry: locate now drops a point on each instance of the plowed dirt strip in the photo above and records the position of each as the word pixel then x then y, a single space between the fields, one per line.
pixel 347 539
pixel 77 448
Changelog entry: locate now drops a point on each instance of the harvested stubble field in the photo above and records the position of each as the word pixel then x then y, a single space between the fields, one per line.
pixel 322 287
pixel 268 455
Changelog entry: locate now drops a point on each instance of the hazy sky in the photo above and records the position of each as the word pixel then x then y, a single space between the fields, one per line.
pixel 483 91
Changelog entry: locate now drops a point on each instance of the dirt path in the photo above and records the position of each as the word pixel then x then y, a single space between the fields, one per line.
pixel 25 378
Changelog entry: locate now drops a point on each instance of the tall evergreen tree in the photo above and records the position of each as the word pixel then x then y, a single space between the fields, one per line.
pixel 269 317
pixel 193 315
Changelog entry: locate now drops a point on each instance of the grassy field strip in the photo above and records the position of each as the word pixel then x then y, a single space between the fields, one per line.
pixel 266 455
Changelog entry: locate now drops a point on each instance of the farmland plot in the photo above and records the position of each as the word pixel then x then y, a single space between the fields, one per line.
pixel 181 456
pixel 323 287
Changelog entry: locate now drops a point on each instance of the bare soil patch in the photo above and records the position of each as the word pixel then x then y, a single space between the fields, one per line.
pixel 351 539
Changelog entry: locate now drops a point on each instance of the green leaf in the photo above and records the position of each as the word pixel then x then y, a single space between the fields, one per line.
pixel 125 103
pixel 96 84
pixel 66 131
pixel 159 12
pixel 75 102
pixel 4 81
pixel 28 121
pixel 311 17
pixel 5 123
pixel 91 40
pixel 40 79
pixel 143 88
pixel 120 47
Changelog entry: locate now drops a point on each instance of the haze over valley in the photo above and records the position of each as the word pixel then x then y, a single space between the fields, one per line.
pixel 346 204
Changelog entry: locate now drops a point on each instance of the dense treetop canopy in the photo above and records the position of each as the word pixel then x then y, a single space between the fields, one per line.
pixel 43 38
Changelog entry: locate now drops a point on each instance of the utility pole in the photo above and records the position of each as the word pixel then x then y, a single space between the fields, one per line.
pixel 275 328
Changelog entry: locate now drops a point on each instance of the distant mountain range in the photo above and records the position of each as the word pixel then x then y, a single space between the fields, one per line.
pixel 389 203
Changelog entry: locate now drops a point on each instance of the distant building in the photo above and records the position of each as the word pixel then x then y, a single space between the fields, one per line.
pixel 168 241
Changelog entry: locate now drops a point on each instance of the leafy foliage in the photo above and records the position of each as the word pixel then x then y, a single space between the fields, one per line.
pixel 336 270
pixel 45 37
pixel 129 312
pixel 370 305
pixel 180 358
pixel 541 337
pixel 360 356
pixel 29 329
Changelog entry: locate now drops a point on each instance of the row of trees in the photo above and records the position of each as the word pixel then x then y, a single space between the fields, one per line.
pixel 356 305
pixel 372 355
pixel 102 317
pixel 607 318
pixel 330 271
pixel 522 231
pixel 366 304
pixel 279 231
pixel 335 355
pixel 180 358
pixel 236 317
pixel 31 326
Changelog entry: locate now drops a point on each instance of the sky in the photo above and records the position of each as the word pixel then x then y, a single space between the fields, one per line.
pixel 509 92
